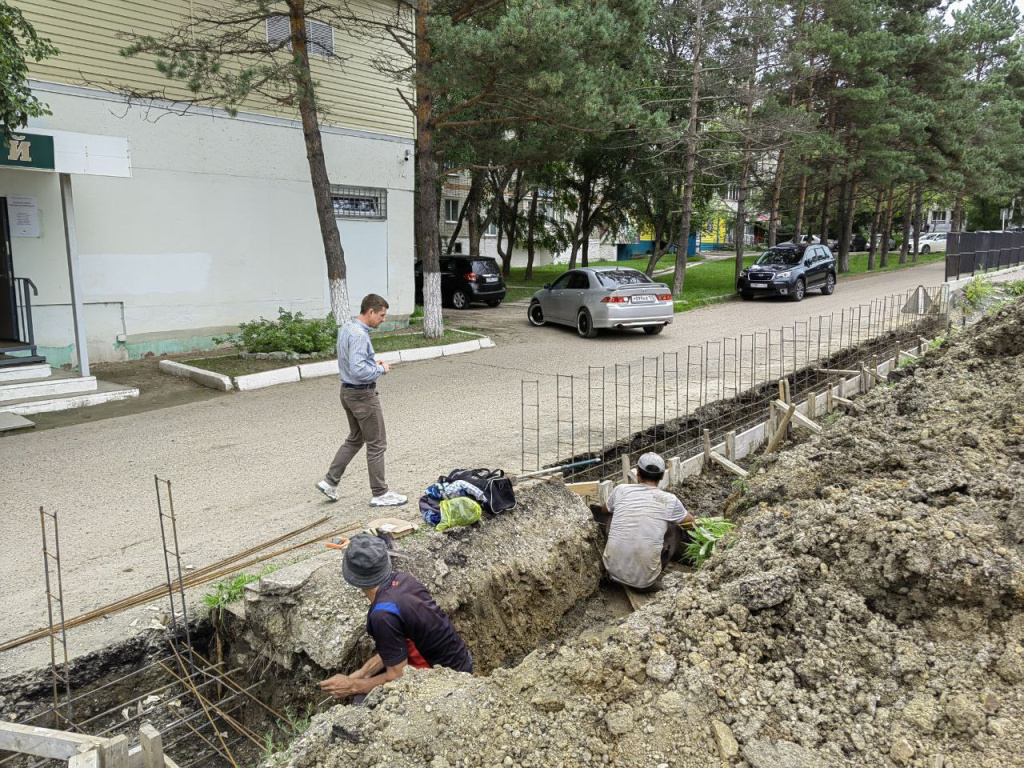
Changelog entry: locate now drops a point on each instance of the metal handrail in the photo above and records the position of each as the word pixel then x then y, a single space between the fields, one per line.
pixel 23 308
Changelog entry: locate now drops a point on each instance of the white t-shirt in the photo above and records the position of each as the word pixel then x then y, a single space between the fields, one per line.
pixel 636 535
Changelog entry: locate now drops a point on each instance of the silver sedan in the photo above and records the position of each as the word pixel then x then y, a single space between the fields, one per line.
pixel 592 298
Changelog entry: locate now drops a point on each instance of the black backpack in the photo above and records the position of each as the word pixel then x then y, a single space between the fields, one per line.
pixel 499 496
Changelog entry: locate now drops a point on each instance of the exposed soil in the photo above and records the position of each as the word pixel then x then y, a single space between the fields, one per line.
pixel 870 614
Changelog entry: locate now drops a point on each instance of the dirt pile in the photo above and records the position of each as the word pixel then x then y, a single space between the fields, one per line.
pixel 871 614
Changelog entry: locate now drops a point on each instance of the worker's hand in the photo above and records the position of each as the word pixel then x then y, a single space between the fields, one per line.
pixel 387 366
pixel 339 686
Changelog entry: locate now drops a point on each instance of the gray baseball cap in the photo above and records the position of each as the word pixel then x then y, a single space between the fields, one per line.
pixel 651 463
pixel 367 563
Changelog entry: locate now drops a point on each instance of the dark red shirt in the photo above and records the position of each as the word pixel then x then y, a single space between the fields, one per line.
pixel 405 623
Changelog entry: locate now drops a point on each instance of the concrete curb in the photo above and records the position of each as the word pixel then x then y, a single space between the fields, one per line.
pixel 317 369
pixel 267 378
pixel 198 375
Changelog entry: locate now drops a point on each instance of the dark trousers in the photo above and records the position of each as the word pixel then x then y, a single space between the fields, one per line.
pixel 365 427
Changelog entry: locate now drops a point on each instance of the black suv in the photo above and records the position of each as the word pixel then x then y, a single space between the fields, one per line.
pixel 465 280
pixel 789 270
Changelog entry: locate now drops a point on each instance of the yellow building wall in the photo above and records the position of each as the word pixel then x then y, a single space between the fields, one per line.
pixel 354 94
pixel 714 232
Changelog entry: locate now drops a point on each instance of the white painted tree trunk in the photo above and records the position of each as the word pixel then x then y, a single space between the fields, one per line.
pixel 339 300
pixel 433 323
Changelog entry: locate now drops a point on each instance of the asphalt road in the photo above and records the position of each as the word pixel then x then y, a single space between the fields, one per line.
pixel 243 466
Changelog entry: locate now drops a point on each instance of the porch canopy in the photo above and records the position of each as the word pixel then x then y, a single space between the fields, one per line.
pixel 65 153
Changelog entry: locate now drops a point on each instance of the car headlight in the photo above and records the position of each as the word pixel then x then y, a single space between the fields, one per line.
pixel 783 275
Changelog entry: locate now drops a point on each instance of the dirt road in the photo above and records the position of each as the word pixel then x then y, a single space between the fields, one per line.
pixel 243 466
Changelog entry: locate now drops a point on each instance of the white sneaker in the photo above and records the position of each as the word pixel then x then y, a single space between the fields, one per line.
pixel 389 499
pixel 328 490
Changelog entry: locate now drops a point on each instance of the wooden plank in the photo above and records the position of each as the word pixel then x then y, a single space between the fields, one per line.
pixel 736 470
pixel 803 421
pixel 911 355
pixel 44 742
pixel 152 746
pixel 584 489
pixel 638 599
pixel 114 753
pixel 604 490
pixel 842 400
pixel 168 763
pixel 781 431
pixel 88 759
pixel 842 371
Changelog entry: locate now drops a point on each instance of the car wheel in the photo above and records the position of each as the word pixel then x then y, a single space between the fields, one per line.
pixel 459 299
pixel 830 285
pixel 799 290
pixel 535 314
pixel 493 302
pixel 585 325
pixel 746 296
pixel 653 330
pixel 925 249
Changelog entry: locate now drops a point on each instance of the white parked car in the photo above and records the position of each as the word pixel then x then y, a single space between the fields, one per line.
pixel 933 241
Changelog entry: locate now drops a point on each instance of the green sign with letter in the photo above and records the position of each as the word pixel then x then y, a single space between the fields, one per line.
pixel 26 150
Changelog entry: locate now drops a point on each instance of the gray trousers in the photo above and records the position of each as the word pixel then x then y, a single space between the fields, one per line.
pixel 365 426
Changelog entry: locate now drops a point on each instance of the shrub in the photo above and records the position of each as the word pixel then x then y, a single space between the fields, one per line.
pixel 291 332
pixel 977 291
pixel 707 533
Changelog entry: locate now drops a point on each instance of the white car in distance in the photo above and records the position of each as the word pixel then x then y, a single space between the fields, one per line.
pixel 933 241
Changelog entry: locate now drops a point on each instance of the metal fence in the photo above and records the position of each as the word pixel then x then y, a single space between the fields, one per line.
pixel 664 403
pixel 970 253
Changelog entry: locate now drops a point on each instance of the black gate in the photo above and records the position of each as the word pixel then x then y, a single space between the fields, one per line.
pixel 971 253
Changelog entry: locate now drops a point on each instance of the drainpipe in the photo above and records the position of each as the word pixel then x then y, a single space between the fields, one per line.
pixel 71 239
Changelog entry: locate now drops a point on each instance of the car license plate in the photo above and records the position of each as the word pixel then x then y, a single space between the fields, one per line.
pixel 491 279
pixel 642 299
pixel 759 285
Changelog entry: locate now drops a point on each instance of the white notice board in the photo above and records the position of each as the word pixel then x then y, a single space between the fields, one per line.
pixel 23 212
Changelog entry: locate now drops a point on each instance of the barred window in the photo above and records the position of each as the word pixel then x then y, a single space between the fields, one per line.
pixel 319 36
pixel 451 210
pixel 359 202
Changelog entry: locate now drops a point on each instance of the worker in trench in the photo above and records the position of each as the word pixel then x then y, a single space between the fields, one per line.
pixel 644 532
pixel 407 626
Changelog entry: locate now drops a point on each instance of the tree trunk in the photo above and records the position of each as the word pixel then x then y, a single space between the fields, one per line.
pixel 656 251
pixel 333 250
pixel 907 213
pixel 826 203
pixel 476 193
pixel 847 233
pixel 958 213
pixel 683 248
pixel 875 220
pixel 582 221
pixel 427 227
pixel 801 201
pixel 773 213
pixel 918 206
pixel 886 231
pixel 531 225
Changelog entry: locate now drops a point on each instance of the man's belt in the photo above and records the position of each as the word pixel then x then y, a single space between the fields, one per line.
pixel 371 385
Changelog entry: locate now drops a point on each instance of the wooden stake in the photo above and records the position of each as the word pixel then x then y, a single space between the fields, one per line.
pixel 829 400
pixel 625 467
pixel 781 431
pixel 812 406
pixel 152 746
pixel 114 754
pixel 730 445
pixel 707 448
pixel 864 386
pixel 674 470
pixel 722 461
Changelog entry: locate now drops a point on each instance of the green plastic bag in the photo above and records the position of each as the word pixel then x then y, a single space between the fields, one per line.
pixel 461 510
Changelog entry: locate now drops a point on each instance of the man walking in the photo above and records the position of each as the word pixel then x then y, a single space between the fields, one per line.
pixel 405 623
pixel 643 532
pixel 359 373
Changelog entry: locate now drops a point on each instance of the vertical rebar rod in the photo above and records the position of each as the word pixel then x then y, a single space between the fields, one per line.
pixel 65 675
pixel 170 518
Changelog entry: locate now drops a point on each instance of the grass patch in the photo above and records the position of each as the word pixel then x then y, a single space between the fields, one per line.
pixel 708 533
pixel 859 262
pixel 388 341
pixel 232 590
pixel 233 365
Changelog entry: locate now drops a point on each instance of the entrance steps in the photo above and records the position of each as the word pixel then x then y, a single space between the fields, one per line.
pixel 24 391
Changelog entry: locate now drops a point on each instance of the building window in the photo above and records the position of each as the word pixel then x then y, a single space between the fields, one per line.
pixel 451 210
pixel 319 36
pixel 359 202
pixel 492 229
pixel 733 193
